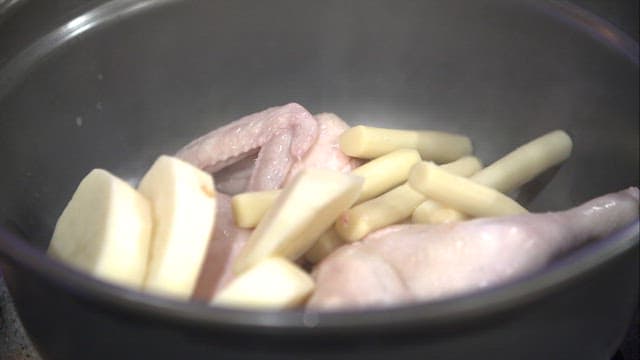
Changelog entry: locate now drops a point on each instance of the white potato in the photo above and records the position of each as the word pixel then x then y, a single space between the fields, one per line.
pixel 105 230
pixel 306 208
pixel 183 201
pixel 272 283
pixel 249 208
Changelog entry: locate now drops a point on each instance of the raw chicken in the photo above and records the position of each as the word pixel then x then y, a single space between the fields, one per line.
pixel 287 140
pixel 279 136
pixel 226 241
pixel 427 262
pixel 326 153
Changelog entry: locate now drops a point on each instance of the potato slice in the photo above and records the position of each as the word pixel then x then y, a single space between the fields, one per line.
pixel 183 200
pixel 371 142
pixel 105 230
pixel 250 207
pixel 461 193
pixel 273 283
pixel 386 172
pixel 305 209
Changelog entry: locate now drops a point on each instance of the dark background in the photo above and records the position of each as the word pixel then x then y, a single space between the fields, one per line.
pixel 624 15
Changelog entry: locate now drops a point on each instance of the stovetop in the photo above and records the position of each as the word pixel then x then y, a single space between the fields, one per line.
pixel 14 343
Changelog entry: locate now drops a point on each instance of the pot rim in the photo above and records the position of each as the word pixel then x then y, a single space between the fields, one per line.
pixel 482 304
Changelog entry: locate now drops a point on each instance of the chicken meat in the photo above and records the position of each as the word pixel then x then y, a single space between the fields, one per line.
pixel 428 262
pixel 260 148
pixel 262 151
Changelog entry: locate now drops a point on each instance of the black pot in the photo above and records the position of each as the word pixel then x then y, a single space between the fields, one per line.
pixel 120 82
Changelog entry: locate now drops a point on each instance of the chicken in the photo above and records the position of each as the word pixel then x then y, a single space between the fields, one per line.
pixel 287 140
pixel 326 153
pixel 427 262
pixel 261 147
pixel 225 243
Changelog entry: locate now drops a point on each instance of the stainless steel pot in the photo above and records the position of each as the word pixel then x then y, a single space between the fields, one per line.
pixel 117 83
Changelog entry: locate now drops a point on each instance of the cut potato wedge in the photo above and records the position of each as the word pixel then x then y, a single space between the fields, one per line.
pixel 250 207
pixel 183 200
pixel 273 283
pixel 105 230
pixel 306 208
pixel 371 142
pixel 461 193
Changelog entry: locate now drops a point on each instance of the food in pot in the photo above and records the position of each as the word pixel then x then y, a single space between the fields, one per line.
pixel 303 211
pixel 386 172
pixel 273 283
pixel 379 176
pixel 105 230
pixel 461 193
pixel 325 153
pixel 369 143
pixel 225 243
pixel 393 206
pixel 261 146
pixel 301 197
pixel 505 175
pixel 250 207
pixel 428 262
pixel 183 203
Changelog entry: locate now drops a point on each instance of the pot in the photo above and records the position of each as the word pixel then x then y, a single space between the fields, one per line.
pixel 113 84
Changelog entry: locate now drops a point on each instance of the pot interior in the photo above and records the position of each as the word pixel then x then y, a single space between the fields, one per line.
pixel 115 91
